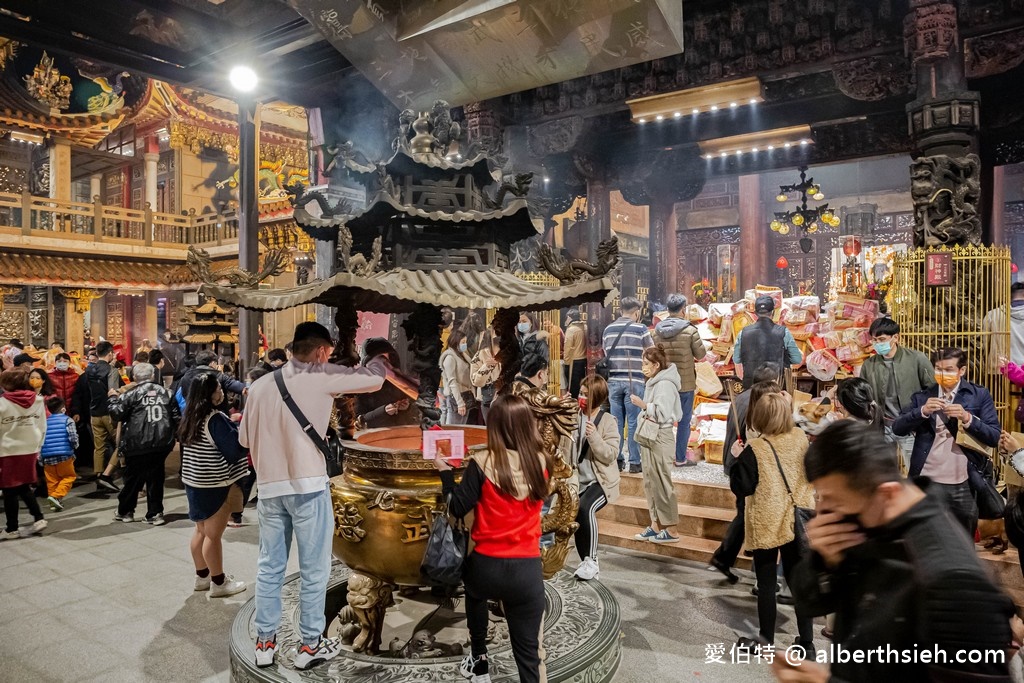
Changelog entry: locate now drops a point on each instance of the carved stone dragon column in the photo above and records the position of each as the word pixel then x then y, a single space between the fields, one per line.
pixel 345 353
pixel 423 329
pixel 509 353
pixel 946 176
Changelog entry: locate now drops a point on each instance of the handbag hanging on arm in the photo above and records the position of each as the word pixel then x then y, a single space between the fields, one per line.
pixel 329 446
pixel 800 515
pixel 446 551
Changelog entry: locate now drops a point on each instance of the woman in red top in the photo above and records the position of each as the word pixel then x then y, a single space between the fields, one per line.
pixel 506 486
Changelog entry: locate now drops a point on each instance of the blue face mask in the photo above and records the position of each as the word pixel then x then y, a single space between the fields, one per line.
pixel 523 328
pixel 1017 304
pixel 882 348
pixel 463 346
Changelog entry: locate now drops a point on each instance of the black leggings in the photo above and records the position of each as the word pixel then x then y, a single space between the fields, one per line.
pixel 592 499
pixel 766 568
pixel 519 584
pixel 11 496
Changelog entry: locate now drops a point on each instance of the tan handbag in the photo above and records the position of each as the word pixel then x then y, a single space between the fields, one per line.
pixel 646 431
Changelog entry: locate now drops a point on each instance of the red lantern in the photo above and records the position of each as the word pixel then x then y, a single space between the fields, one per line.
pixel 852 247
pixel 1013 268
pixel 782 263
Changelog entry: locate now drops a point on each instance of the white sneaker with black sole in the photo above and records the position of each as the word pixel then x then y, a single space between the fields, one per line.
pixel 311 655
pixel 124 518
pixel 156 520
pixel 467 668
pixel 229 587
pixel 588 569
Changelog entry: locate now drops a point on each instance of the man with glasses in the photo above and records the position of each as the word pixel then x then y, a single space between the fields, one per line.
pixel 936 416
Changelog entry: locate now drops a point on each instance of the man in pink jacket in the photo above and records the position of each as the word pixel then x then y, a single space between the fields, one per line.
pixel 293 487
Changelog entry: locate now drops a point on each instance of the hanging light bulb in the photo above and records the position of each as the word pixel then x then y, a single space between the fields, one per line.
pixel 813 190
pixel 813 227
pixel 797 219
pixel 781 197
pixel 775 225
pixel 818 196
pixel 784 230
pixel 826 216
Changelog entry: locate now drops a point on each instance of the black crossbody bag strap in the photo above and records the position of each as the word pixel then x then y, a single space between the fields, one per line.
pixel 784 480
pixel 304 423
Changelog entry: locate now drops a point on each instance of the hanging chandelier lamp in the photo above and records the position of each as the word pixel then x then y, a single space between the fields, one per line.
pixel 803 217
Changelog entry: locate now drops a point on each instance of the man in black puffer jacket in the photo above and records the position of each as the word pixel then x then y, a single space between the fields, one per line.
pixel 150 416
pixel 900 574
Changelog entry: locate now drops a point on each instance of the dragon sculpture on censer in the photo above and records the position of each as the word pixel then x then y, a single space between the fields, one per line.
pixel 199 262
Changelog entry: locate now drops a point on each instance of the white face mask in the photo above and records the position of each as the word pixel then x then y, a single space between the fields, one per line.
pixel 62 365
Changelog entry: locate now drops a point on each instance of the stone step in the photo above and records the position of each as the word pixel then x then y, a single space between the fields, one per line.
pixel 688 492
pixel 1006 568
pixel 691 548
pixel 694 520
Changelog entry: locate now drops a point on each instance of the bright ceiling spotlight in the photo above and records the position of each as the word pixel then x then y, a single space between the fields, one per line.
pixel 754 149
pixel 722 155
pixel 788 145
pixel 771 147
pixel 753 100
pixel 547 179
pixel 243 79
pixel 641 120
pixel 714 107
pixel 803 142
pixel 734 104
pixel 659 117
pixel 695 111
pixel 677 114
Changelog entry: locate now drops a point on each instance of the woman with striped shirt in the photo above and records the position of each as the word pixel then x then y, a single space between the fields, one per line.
pixel 211 462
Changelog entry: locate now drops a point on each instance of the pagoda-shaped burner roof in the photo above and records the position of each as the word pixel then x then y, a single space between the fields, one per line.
pixel 429 167
pixel 401 290
pixel 513 221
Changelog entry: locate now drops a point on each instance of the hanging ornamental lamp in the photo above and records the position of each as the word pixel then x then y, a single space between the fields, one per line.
pixel 808 219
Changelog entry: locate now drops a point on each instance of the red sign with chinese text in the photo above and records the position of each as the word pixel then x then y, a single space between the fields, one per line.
pixel 939 270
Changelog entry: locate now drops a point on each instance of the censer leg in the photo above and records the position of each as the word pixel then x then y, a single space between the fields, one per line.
pixel 369 597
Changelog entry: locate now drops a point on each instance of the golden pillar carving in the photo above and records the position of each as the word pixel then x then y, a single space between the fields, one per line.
pixel 6 290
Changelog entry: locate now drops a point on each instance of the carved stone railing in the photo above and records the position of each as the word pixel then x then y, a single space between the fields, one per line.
pixel 42 216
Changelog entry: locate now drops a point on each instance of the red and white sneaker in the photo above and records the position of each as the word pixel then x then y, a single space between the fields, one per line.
pixel 265 651
pixel 311 655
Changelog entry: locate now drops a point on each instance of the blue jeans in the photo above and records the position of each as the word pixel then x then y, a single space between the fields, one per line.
pixel 310 516
pixel 683 429
pixel 619 392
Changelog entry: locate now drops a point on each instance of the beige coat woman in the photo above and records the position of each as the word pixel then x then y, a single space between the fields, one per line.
pixel 769 513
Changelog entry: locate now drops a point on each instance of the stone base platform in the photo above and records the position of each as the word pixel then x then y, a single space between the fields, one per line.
pixel 582 639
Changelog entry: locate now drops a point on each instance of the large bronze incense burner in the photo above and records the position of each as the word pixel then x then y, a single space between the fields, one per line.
pixel 432 234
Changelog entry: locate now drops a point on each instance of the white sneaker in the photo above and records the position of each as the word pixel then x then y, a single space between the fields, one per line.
pixel 229 587
pixel 9 535
pixel 310 656
pixel 36 528
pixel 588 569
pixel 203 583
pixel 466 669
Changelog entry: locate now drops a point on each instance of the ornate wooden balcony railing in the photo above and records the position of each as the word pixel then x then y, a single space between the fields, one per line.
pixel 42 216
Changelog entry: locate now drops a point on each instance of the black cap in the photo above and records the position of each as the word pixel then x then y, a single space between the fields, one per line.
pixel 23 358
pixel 311 330
pixel 764 305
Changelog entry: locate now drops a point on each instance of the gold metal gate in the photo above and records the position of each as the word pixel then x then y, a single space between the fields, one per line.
pixel 972 312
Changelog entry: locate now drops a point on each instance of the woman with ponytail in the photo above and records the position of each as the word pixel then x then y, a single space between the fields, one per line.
pixel 855 400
